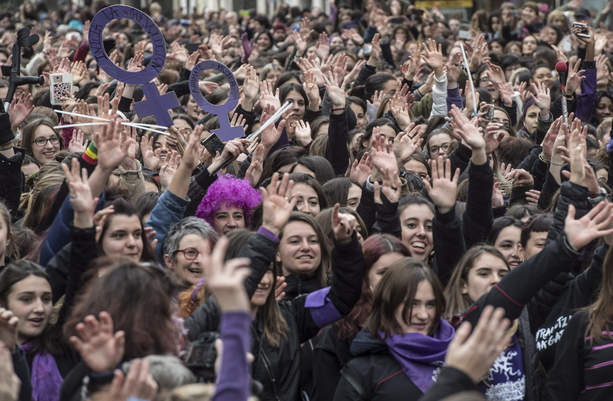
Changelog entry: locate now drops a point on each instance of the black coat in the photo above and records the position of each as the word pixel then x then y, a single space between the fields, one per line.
pixel 278 368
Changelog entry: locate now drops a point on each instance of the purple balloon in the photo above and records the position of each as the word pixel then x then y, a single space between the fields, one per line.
pixel 225 132
pixel 158 60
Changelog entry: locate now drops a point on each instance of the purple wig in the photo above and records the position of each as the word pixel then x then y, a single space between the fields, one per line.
pixel 231 191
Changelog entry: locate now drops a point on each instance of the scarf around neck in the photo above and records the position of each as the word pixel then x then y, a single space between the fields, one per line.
pixel 419 355
pixel 46 378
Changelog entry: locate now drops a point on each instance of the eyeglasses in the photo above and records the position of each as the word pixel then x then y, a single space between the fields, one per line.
pixel 42 142
pixel 434 150
pixel 188 253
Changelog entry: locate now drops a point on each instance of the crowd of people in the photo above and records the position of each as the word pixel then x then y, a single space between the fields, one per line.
pixel 429 219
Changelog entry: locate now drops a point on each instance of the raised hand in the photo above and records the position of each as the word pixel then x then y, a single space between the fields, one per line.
pixel 78 143
pixel 375 50
pixel 8 329
pixel 139 384
pixel 474 354
pixel 251 88
pixel 391 187
pixel 335 93
pixel 301 44
pixel 20 109
pixel 254 172
pixel 268 97
pixel 505 93
pixel 111 151
pixel 276 203
pixel 493 137
pixel 495 73
pixel 78 71
pixel 550 138
pixel 594 224
pixel 575 77
pixel 377 99
pixel 179 52
pixel 467 130
pixel 9 382
pixel 225 279
pixel 101 348
pixel 311 89
pixel 169 168
pixel 303 133
pixel 520 177
pixel 270 136
pixel 433 56
pixel 322 48
pixel 380 153
pixel 444 187
pixel 343 225
pixel 151 157
pixel 361 169
pixel 542 98
pixel 81 197
pixel 409 68
pixel 408 142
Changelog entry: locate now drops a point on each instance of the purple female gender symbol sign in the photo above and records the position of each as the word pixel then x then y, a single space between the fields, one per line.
pixel 225 132
pixel 155 104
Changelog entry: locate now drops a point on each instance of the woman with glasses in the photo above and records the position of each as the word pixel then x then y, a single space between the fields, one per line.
pixel 437 143
pixel 41 141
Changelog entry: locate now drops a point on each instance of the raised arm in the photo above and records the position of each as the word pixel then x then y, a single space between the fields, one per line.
pixel 323 307
pixel 523 282
pixel 446 227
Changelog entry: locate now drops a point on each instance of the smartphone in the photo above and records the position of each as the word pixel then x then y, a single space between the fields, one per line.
pixel 397 20
pixel 192 47
pixel 61 86
pixel 213 144
pixel 583 31
pixel 490 112
pixel 464 35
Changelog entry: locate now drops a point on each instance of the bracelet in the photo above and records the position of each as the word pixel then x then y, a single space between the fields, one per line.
pixel 556 164
pixel 6 146
pixel 542 158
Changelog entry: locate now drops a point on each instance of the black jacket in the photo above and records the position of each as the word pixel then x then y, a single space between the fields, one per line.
pixel 376 375
pixel 278 368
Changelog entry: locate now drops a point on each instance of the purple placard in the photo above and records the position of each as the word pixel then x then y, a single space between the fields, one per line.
pixel 156 105
pixel 158 60
pixel 225 132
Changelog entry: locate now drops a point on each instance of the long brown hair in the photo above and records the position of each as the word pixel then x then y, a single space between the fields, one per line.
pixel 138 297
pixel 456 301
pixel 601 311
pixel 397 287
pixel 374 248
pixel 324 271
pixel 275 326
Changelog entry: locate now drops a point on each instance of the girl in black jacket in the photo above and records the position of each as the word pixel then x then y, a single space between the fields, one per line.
pixel 398 357
pixel 280 327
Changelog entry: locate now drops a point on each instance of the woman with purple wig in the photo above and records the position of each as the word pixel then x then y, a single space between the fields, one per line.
pixel 228 203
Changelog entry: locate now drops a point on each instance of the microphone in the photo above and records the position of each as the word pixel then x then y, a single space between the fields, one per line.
pixel 561 68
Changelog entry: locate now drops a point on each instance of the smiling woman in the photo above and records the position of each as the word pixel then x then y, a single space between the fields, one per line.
pixel 416 214
pixel 41 141
pixel 228 203
pixel 187 249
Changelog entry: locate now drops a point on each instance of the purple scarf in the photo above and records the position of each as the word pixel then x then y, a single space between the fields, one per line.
pixel 46 378
pixel 419 355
